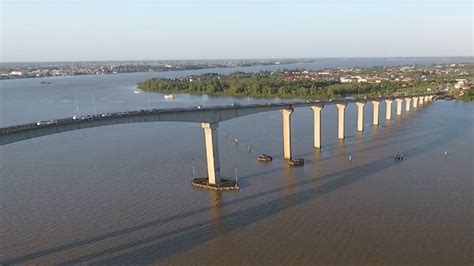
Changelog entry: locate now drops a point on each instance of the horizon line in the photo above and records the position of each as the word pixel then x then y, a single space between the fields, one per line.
pixel 234 59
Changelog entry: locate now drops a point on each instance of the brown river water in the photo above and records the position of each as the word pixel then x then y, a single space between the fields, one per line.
pixel 123 195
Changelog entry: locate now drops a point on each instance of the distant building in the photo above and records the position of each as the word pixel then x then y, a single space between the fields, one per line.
pixel 461 84
pixel 345 80
pixel 16 73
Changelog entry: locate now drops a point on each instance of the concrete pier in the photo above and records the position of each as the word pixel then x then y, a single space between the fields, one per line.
pixel 341 107
pixel 212 153
pixel 415 102
pixel 360 116
pixel 388 112
pixel 420 100
pixel 399 106
pixel 317 125
pixel 376 113
pixel 286 116
pixel 407 104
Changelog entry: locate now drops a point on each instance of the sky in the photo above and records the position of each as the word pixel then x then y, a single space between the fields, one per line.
pixel 96 30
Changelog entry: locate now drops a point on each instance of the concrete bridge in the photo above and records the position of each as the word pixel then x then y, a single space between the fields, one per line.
pixel 209 117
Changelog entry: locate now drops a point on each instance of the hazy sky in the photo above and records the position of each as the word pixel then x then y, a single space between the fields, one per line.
pixel 62 30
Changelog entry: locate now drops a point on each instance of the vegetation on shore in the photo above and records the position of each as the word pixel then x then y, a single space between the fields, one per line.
pixel 467 95
pixel 268 85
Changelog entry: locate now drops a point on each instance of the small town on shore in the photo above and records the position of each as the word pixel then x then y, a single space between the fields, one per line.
pixel 58 69
pixel 455 80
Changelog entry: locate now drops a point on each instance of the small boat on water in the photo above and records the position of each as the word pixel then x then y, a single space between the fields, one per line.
pixel 264 158
pixel 296 162
pixel 169 96
pixel 399 157
pixel 136 91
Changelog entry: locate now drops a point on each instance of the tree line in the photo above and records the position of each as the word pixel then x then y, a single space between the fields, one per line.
pixel 267 85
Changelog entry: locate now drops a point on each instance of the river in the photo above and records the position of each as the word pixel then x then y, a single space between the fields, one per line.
pixel 122 194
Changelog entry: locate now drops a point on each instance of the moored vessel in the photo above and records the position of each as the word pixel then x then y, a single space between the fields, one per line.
pixel 296 162
pixel 264 158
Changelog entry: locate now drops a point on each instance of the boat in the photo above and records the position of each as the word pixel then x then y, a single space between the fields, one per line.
pixel 136 91
pixel 264 158
pixel 169 96
pixel 296 162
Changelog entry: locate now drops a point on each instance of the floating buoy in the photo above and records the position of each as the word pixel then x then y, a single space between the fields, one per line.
pixel 236 178
pixel 446 153
pixel 236 141
pixel 350 157
pixel 250 148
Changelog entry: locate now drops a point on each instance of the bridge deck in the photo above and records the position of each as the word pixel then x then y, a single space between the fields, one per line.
pixel 210 114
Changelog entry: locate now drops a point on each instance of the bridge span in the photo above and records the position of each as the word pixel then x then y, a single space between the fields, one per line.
pixel 209 117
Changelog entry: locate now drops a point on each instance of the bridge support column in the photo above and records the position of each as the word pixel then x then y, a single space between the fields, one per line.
pixel 399 106
pixel 420 100
pixel 360 116
pixel 376 113
pixel 212 152
pixel 430 97
pixel 415 102
pixel 407 104
pixel 427 98
pixel 388 112
pixel 341 107
pixel 286 115
pixel 317 125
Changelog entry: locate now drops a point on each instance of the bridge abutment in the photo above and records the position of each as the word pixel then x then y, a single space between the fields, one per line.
pixel 399 106
pixel 407 104
pixel 341 107
pixel 388 110
pixel 317 125
pixel 415 102
pixel 286 127
pixel 376 107
pixel 212 152
pixel 360 116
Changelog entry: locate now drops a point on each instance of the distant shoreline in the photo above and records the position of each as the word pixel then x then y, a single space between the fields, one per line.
pixel 66 69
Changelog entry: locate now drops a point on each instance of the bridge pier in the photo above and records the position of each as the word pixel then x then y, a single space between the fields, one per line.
pixel 340 119
pixel 420 100
pixel 317 125
pixel 376 113
pixel 212 153
pixel 388 112
pixel 415 102
pixel 399 106
pixel 407 104
pixel 286 115
pixel 360 116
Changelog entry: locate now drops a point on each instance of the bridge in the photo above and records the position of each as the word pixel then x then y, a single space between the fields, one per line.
pixel 209 117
